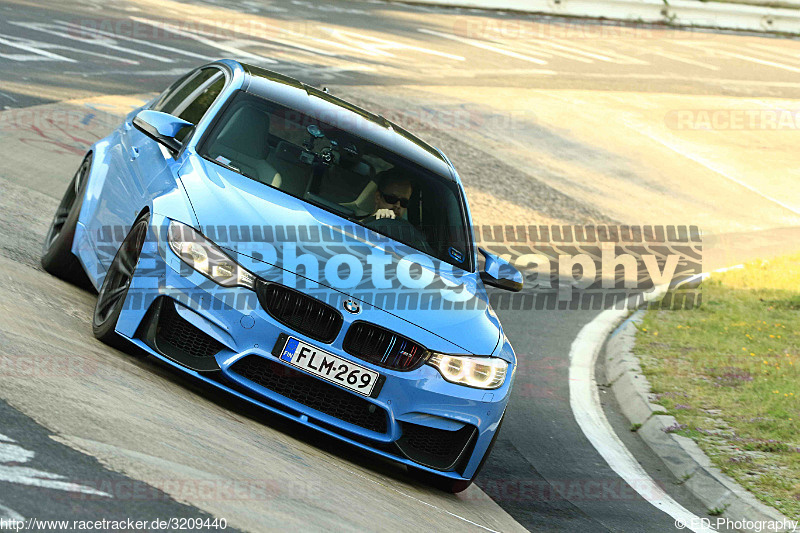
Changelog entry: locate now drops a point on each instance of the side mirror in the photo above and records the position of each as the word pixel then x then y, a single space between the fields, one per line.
pixel 161 127
pixel 500 273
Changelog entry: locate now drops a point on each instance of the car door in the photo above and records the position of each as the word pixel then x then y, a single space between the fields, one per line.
pixel 143 168
pixel 151 163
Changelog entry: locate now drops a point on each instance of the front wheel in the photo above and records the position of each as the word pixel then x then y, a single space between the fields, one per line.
pixel 57 257
pixel 116 284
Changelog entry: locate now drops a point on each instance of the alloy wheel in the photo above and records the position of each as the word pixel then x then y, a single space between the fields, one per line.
pixel 120 273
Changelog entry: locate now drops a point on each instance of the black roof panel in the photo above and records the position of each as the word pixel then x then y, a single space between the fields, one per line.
pixel 344 115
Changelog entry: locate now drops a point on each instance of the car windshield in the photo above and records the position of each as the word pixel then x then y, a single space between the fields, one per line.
pixel 345 174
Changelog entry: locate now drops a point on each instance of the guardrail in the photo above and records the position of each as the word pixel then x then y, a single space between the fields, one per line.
pixel 673 12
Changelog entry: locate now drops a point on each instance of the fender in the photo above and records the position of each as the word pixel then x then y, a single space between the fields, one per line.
pixel 83 244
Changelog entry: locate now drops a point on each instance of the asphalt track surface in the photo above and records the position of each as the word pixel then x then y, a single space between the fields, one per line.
pixel 119 437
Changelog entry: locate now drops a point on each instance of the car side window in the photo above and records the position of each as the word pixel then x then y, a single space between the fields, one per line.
pixel 195 106
pixel 170 91
pixel 184 89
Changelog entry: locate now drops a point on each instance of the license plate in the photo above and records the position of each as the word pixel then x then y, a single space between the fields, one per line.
pixel 328 366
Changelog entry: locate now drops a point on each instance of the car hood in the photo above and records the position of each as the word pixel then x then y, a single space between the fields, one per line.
pixel 278 230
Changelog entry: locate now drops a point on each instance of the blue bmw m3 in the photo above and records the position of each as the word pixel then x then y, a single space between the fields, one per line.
pixel 301 253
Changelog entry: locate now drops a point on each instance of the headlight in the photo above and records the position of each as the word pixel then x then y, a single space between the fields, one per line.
pixel 480 372
pixel 207 258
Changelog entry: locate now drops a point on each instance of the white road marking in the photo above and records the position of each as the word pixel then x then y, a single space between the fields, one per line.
pixel 743 57
pixel 378 44
pixel 417 7
pixel 760 60
pixel 590 51
pixel 305 38
pixel 208 42
pixel 371 46
pixel 173 72
pixel 32 49
pixel 758 54
pixel 53 29
pixel 392 487
pixel 675 57
pixel 75 27
pixel 531 48
pixel 574 51
pixel 330 8
pixel 483 45
pixel 584 400
pixel 711 165
pixel 53 46
pixel 274 42
pixel 12 456
pixel 439 72
pixel 10 514
pixel 326 73
pixel 25 58
pixel 792 53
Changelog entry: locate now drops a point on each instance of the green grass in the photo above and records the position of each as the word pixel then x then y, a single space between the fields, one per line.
pixel 729 372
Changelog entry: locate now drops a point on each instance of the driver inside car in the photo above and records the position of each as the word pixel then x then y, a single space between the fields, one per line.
pixel 392 196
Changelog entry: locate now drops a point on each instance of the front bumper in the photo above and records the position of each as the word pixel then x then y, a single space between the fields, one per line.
pixel 420 407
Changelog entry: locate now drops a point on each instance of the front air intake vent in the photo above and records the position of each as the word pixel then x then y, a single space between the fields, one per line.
pixel 312 392
pixel 436 448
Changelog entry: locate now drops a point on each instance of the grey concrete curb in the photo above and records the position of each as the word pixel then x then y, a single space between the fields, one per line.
pixel 678 13
pixel 682 455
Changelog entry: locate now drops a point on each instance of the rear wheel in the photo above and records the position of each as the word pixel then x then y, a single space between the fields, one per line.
pixel 116 284
pixel 57 257
pixel 454 486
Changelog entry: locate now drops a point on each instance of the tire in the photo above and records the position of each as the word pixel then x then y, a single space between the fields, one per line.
pixel 57 257
pixel 115 286
pixel 454 486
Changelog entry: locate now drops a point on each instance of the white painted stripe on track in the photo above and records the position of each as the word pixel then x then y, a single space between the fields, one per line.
pixel 208 42
pixel 272 42
pixel 392 45
pixel 713 166
pixel 53 29
pixel 532 48
pixel 608 54
pixel 326 42
pixel 483 45
pixel 584 400
pixel 747 58
pixel 34 50
pixel 13 456
pixel 792 53
pixel 574 50
pixel 53 46
pixel 10 514
pixel 286 45
pixel 674 57
pixel 423 502
pixel 281 35
pixel 77 28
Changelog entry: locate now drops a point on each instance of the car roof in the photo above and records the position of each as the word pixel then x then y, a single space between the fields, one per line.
pixel 345 115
